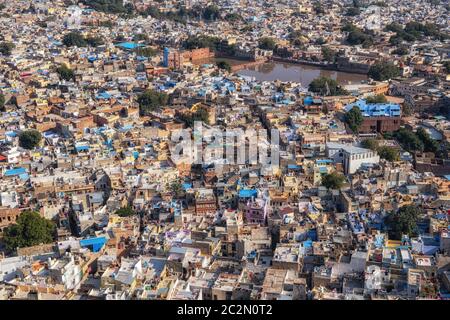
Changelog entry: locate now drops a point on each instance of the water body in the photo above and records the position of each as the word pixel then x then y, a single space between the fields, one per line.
pixel 304 74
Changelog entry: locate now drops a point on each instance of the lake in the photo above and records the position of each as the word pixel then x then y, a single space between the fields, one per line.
pixel 304 74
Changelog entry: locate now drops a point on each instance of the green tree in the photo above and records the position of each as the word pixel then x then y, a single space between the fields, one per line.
pixel 382 71
pixel 401 51
pixel 146 52
pixel 176 189
pixel 447 66
pixel 404 221
pixel 2 102
pixel 353 11
pixel 74 39
pixel 388 153
pixel 318 9
pixel 30 230
pixel 211 12
pixel 200 115
pixel 333 180
pixel 107 6
pixel 371 144
pixel 409 140
pixel 320 41
pixel 202 41
pixel 140 37
pixel 94 41
pixel 6 48
pixel 65 73
pixel 358 37
pixel 267 43
pixel 225 65
pixel 329 54
pixel 349 27
pixel 354 118
pixel 379 98
pixel 29 139
pixel 326 87
pixel 151 100
pixel 125 212
pixel 232 17
pixel 429 144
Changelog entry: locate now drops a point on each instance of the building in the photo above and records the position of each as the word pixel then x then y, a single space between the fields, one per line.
pixel 378 117
pixel 352 158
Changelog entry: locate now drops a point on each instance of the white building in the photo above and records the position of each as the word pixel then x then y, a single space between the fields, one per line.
pixel 351 157
pixel 10 267
pixel 376 278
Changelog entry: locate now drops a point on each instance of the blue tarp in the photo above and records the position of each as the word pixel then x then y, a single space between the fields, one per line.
pixel 95 244
pixel 308 101
pixel 248 193
pixel 15 172
pixel 187 186
pixel 82 148
pixel 103 95
pixel 129 45
pixel 308 243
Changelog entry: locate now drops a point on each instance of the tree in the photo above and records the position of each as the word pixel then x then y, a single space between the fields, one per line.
pixel 447 66
pixel 327 87
pixel 430 145
pixel 107 6
pixel 329 54
pixel 202 41
pixel 318 9
pixel 357 37
pixel 29 139
pixel 349 27
pixel 151 100
pixel 146 52
pixel 30 230
pixel 354 118
pixel 140 37
pixel 176 189
pixel 65 73
pixel 333 180
pixel 382 71
pixel 266 43
pixel 94 41
pixel 201 114
pixel 320 41
pixel 74 39
pixel 2 102
pixel 371 144
pixel 232 17
pixel 125 212
pixel 379 98
pixel 388 153
pixel 6 48
pixel 211 12
pixel 409 140
pixel 401 51
pixel 353 11
pixel 225 65
pixel 404 221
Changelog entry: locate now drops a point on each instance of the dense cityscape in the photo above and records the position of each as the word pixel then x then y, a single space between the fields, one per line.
pixel 225 150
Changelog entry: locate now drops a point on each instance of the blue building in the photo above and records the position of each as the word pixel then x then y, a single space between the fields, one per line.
pixel 378 117
pixel 166 57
